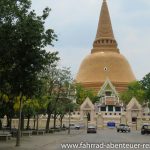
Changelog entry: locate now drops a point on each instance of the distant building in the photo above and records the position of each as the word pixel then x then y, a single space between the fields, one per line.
pixel 110 108
pixel 109 103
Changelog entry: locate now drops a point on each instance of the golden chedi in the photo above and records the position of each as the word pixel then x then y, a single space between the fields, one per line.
pixel 105 60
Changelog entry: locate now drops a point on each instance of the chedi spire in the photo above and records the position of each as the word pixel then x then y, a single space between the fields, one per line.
pixel 104 40
pixel 105 60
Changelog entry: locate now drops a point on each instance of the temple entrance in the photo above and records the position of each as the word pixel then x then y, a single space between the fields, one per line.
pixel 133 110
pixel 134 119
pixel 88 116
pixel 87 110
pixel 134 115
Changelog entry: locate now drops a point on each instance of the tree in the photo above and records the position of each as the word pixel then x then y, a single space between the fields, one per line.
pixel 29 110
pixel 3 100
pixel 23 39
pixel 65 106
pixel 48 78
pixel 6 103
pixel 134 90
pixel 145 82
pixel 82 94
pixel 6 108
pixel 57 82
pixel 61 88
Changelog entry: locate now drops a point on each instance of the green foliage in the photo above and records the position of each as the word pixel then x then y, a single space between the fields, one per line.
pixel 2 106
pixel 55 90
pixel 95 99
pixel 134 90
pixel 82 94
pixel 6 106
pixel 23 39
pixel 59 82
pixel 23 56
pixel 29 108
pixel 145 82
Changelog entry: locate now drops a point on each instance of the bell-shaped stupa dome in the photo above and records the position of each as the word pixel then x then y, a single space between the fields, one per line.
pixel 105 60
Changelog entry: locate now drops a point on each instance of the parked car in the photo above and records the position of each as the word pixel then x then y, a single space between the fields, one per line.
pixel 145 129
pixel 72 126
pixel 123 128
pixel 79 126
pixel 91 129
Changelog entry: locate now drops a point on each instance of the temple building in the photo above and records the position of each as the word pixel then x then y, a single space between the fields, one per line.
pixel 109 103
pixel 105 61
pixel 110 109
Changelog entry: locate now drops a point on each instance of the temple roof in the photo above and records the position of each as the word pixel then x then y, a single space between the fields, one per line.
pixel 105 40
pixel 108 86
pixel 104 56
pixel 87 105
pixel 134 105
pixel 104 29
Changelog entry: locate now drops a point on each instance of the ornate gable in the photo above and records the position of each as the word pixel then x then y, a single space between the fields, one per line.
pixel 87 105
pixel 107 86
pixel 134 105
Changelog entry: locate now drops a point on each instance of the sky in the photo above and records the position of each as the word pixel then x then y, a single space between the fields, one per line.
pixel 75 23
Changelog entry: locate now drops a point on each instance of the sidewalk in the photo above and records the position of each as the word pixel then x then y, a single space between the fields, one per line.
pixel 41 142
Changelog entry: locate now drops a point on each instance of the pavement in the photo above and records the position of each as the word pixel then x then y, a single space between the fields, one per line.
pixel 79 138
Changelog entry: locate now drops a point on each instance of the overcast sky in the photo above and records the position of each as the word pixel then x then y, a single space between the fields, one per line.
pixel 75 23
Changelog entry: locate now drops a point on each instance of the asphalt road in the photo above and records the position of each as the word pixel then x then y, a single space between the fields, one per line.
pixel 104 139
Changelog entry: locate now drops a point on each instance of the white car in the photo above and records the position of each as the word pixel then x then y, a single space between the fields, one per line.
pixel 79 126
pixel 76 126
pixel 123 128
pixel 72 126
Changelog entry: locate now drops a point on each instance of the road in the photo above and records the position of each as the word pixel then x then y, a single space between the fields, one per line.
pixel 107 137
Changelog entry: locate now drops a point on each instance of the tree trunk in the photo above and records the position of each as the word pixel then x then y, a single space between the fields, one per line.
pixel 19 123
pixel 10 123
pixel 34 122
pixel 61 119
pixel 55 117
pixel 48 122
pixel 69 122
pixel 0 124
pixel 22 121
pixel 37 122
pixel 7 120
pixel 28 123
